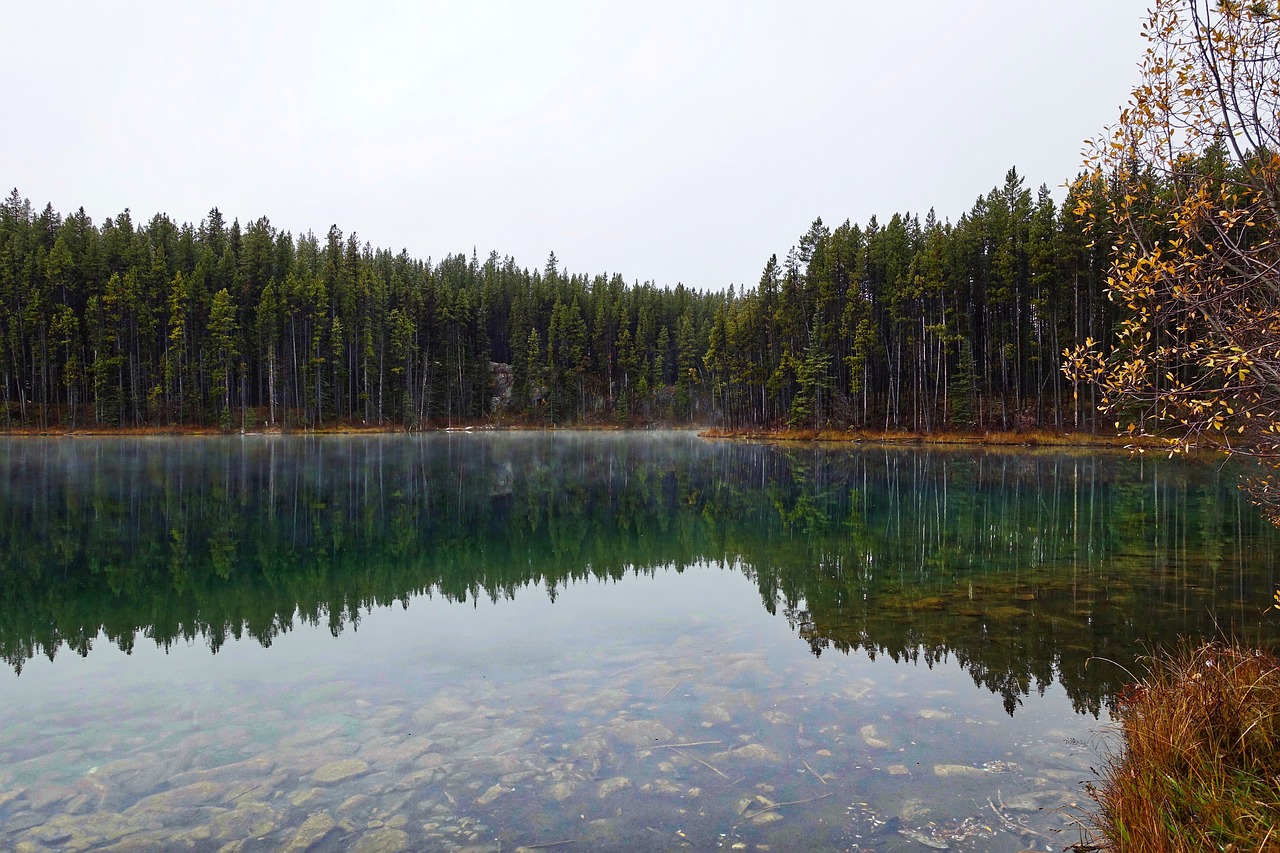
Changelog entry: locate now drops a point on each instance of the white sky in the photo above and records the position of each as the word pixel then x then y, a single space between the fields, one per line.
pixel 672 142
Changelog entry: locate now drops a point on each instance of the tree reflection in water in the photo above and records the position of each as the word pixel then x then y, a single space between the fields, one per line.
pixel 1027 568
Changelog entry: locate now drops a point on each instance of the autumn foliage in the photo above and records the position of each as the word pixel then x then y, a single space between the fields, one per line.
pixel 1187 184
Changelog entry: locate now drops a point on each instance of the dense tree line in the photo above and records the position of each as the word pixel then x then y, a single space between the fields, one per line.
pixel 900 325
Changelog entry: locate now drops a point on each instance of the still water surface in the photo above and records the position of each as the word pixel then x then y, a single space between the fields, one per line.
pixel 593 642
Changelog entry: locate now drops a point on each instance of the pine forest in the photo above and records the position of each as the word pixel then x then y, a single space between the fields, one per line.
pixel 909 323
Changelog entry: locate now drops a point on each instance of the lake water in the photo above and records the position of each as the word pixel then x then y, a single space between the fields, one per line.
pixel 585 641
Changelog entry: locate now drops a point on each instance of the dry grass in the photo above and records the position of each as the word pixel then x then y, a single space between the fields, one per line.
pixel 1023 438
pixel 1199 768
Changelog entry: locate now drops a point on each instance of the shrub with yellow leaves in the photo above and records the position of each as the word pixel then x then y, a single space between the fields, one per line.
pixel 1188 185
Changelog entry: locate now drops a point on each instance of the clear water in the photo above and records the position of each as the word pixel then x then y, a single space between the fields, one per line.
pixel 585 641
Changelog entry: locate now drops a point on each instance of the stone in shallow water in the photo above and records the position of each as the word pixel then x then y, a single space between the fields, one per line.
pixel 45 797
pixel 312 832
pixel 339 771
pixel 744 673
pixel 612 786
pixel 898 770
pixel 248 820
pixel 715 714
pixel 754 752
pixel 665 786
pixel 383 840
pixel 302 796
pixel 640 732
pixel 492 794
pixel 498 743
pixel 957 770
pixel 429 761
pixel 141 843
pixel 195 794
pixel 354 807
pixel 1064 775
pixel 913 809
pixel 871 738
pixel 441 708
pixel 235 772
pixel 922 838
pixel 309 736
pixel 562 791
pixel 934 714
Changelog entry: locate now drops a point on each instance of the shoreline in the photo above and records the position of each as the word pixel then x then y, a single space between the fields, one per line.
pixel 1014 438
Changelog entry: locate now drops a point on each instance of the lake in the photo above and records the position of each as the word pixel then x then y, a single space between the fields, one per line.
pixel 586 641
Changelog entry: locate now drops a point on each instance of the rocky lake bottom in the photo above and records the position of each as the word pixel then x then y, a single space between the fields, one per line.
pixel 700 733
pixel 585 641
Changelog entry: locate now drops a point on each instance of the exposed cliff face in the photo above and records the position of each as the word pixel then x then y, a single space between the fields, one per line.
pixel 503 385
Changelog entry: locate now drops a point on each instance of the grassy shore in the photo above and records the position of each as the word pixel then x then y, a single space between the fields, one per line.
pixel 1023 438
pixel 1013 438
pixel 1199 767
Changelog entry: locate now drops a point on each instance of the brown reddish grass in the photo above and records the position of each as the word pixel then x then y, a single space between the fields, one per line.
pixel 1023 438
pixel 1199 765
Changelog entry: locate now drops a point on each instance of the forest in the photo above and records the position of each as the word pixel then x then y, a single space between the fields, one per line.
pixel 903 324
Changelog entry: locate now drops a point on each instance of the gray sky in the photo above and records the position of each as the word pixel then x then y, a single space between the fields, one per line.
pixel 672 142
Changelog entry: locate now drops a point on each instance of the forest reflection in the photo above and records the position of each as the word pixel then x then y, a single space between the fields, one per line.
pixel 1026 568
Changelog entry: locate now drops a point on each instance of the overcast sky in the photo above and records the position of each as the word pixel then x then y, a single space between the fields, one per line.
pixel 670 142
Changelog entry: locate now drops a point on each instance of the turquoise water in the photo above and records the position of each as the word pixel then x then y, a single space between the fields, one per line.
pixel 585 641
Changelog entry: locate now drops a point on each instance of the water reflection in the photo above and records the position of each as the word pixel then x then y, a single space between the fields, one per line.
pixel 1025 568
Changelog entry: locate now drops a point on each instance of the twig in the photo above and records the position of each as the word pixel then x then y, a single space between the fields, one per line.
pixel 245 791
pixel 773 806
pixel 625 670
pixel 678 745
pixel 700 761
pixel 1011 824
pixel 814 772
pixel 545 845
pixel 668 693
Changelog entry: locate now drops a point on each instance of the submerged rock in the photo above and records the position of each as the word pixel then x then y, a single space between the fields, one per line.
pixel 912 809
pixel 339 771
pixel 754 752
pixel 926 840
pixel 612 786
pixel 664 786
pixel 871 737
pixel 640 732
pixel 495 744
pixel 562 791
pixel 492 794
pixel 195 794
pixel 248 820
pixel 302 796
pixel 441 708
pixel 312 832
pixel 715 714
pixel 385 840
pixel 957 770
pixel 743 673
